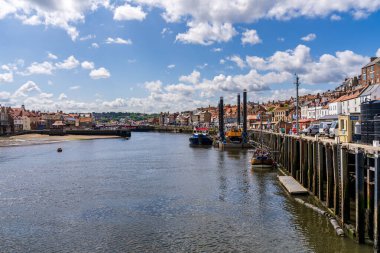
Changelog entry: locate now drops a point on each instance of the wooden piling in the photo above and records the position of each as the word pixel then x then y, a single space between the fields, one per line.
pixel 315 168
pixel 359 195
pixel 320 170
pixel 310 165
pixel 345 202
pixel 336 178
pixel 330 178
pixel 376 216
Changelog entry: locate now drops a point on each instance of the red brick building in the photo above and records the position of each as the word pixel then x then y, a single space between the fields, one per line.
pixel 371 72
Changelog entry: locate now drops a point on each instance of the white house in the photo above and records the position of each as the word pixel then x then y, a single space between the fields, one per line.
pixel 351 103
pixel 372 92
pixel 335 107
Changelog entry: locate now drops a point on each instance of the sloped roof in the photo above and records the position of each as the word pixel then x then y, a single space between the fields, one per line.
pixel 377 60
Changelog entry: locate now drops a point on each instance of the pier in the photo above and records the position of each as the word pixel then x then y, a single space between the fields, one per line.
pixel 344 177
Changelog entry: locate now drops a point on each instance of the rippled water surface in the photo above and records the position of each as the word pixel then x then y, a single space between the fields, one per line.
pixel 152 193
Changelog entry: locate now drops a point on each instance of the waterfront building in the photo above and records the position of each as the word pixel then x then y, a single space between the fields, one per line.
pixel 5 126
pixel 371 72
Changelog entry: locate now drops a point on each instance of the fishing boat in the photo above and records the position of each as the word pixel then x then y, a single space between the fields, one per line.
pixel 234 135
pixel 201 136
pixel 261 159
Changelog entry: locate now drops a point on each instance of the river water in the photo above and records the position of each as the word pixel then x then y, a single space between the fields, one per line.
pixel 152 193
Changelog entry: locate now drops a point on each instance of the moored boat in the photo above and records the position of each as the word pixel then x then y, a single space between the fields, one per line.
pixel 262 160
pixel 201 137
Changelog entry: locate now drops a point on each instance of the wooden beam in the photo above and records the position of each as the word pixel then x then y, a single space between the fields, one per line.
pixel 359 195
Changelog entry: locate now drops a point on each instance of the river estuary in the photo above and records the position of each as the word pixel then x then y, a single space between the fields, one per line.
pixel 152 193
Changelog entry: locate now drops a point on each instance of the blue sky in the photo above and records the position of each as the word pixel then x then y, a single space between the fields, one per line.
pixel 160 55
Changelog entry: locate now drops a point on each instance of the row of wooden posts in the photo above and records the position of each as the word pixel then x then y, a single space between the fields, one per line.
pixel 346 181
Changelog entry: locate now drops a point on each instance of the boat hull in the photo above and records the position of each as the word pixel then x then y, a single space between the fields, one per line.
pixel 200 140
pixel 262 163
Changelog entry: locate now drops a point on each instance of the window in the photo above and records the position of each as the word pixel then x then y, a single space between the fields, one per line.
pixel 364 77
pixel 372 75
pixel 372 67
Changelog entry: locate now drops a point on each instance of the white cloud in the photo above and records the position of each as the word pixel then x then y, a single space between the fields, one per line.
pixel 59 13
pixel 69 63
pixel 128 12
pixel 222 61
pixel 26 89
pixel 87 37
pixel 100 73
pixel 335 17
pixel 378 52
pixel 281 39
pixel 95 45
pixel 171 66
pixel 236 59
pixel 327 69
pixel 6 77
pixel 87 65
pixel 62 96
pixel 118 41
pixel 193 78
pixel 5 96
pixel 154 86
pixel 250 37
pixel 52 56
pixel 165 31
pixel 44 68
pixel 309 37
pixel 217 49
pixel 77 87
pixel 180 88
pixel 203 18
pixel 205 33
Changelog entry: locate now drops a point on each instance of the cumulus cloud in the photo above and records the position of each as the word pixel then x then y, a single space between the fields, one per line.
pixel 237 60
pixel 43 68
pixel 62 96
pixel 171 66
pixel 250 37
pixel 212 21
pixel 205 33
pixel 69 63
pixel 118 41
pixel 95 45
pixel 128 12
pixel 309 37
pixel 27 88
pixel 87 65
pixel 60 13
pixel 192 78
pixel 378 52
pixel 335 17
pixel 52 56
pixel 100 73
pixel 327 69
pixel 6 77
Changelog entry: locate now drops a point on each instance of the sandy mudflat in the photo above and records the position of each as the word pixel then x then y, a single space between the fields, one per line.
pixel 34 139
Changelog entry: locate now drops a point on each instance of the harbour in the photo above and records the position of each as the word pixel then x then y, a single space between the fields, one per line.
pixel 109 195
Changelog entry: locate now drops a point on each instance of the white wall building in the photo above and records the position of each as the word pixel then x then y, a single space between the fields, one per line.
pixel 335 107
pixel 371 93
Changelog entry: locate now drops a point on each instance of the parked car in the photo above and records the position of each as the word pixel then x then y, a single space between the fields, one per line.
pixel 311 130
pixel 324 128
pixel 333 131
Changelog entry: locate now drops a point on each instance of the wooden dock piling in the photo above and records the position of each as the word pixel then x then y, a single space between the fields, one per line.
pixel 359 192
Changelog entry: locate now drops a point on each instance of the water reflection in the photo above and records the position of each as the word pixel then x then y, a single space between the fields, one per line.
pixel 152 193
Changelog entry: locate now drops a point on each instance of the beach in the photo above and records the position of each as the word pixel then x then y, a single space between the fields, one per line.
pixel 35 139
